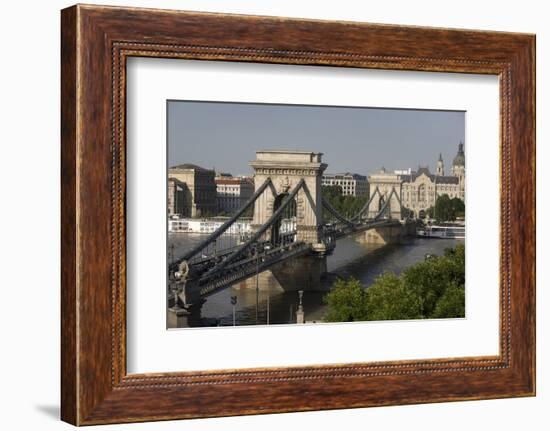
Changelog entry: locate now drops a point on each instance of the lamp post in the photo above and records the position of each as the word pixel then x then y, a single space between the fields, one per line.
pixel 171 253
pixel 257 284
pixel 234 303
pixel 256 251
pixel 268 294
pixel 300 318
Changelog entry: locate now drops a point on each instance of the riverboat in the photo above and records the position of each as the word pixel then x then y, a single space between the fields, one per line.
pixel 208 226
pixel 448 231
pixel 205 226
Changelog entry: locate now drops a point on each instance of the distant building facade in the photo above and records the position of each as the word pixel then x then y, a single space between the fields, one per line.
pixel 418 190
pixel 351 184
pixel 200 199
pixel 233 192
pixel 179 198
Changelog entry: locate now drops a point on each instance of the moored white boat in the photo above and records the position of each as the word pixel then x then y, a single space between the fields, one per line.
pixel 457 231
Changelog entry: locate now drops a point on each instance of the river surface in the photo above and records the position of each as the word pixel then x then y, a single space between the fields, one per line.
pixel 351 258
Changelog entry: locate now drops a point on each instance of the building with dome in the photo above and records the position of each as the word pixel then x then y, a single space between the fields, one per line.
pixel 418 190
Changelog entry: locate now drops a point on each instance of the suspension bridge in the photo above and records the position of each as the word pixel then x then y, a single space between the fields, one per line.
pixel 293 230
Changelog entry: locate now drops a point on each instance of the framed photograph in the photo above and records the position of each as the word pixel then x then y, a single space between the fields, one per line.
pixel 265 215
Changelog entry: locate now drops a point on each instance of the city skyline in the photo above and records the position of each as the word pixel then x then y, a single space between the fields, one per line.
pixel 392 138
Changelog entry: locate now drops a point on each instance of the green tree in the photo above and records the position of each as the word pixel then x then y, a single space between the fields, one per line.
pixel 388 298
pixel 457 208
pixel 442 209
pixel 431 277
pixel 347 205
pixel 331 193
pixel 433 288
pixel 457 264
pixel 346 302
pixel 451 303
pixel 406 212
pixel 447 209
pixel 430 212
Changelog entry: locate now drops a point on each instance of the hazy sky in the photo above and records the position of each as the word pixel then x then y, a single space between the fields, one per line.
pixel 226 136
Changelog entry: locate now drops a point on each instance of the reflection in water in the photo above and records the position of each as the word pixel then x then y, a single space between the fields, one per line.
pixel 350 258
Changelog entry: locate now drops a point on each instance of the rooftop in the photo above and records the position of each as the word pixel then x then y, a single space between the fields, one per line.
pixel 439 179
pixel 293 156
pixel 190 166
pixel 346 175
pixel 233 180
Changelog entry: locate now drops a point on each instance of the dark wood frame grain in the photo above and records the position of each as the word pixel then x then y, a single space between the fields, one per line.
pixel 95 43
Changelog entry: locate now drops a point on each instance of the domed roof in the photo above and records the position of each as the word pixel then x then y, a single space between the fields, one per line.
pixel 459 159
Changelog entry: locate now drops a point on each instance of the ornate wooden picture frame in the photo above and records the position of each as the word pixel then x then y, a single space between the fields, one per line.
pixel 96 41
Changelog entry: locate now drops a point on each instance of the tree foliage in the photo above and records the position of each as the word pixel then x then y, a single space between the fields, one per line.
pixel 451 303
pixel 430 212
pixel 447 209
pixel 407 212
pixel 430 278
pixel 389 298
pixel 346 301
pixel 347 205
pixel 433 288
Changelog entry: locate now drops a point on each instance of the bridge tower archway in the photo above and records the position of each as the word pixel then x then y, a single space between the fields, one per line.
pixel 286 222
pixel 385 195
pixel 286 169
pixel 381 202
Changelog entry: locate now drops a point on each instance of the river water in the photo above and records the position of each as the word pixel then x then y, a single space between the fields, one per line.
pixel 350 258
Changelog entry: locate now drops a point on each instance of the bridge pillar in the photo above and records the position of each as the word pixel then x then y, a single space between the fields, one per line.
pixel 184 317
pixel 302 273
pixel 392 234
pixel 286 169
pixel 184 307
pixel 382 184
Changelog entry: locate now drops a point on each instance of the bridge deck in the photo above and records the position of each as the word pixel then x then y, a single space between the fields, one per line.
pixel 247 267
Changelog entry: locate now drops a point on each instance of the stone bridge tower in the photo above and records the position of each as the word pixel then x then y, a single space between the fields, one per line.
pixel 286 169
pixel 382 184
